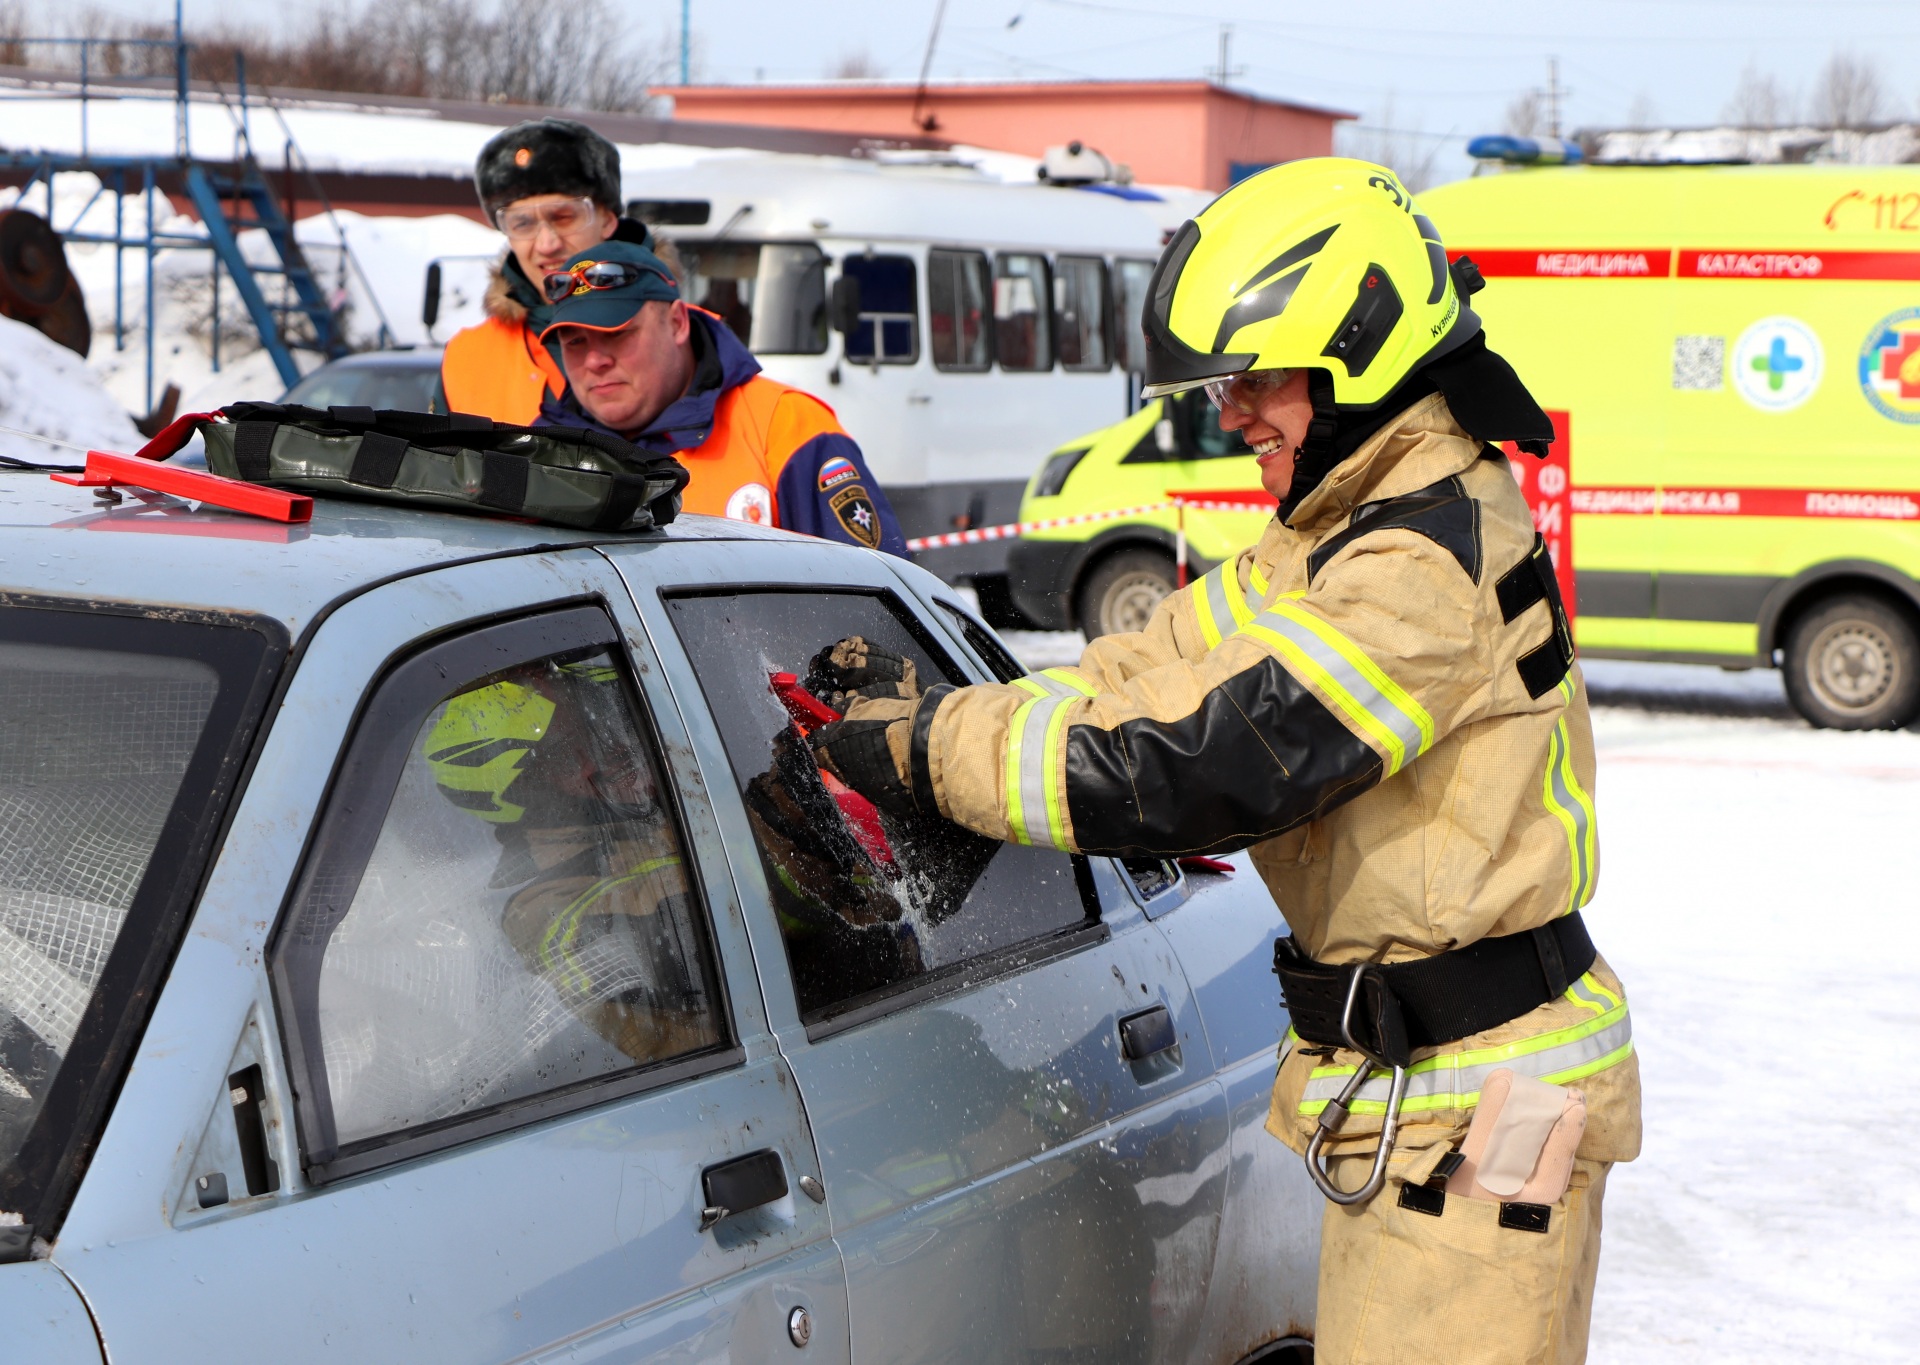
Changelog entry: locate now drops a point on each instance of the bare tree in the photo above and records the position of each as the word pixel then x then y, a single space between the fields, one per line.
pixel 855 64
pixel 1527 115
pixel 1759 101
pixel 1848 92
pixel 1409 152
pixel 1643 112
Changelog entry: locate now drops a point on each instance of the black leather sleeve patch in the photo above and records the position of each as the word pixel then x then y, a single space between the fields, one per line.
pixel 1259 756
pixel 1442 512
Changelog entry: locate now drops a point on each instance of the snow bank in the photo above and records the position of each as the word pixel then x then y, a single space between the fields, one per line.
pixel 49 391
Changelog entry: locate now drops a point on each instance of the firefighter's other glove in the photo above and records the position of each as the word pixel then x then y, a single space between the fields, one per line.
pixel 853 668
pixel 868 750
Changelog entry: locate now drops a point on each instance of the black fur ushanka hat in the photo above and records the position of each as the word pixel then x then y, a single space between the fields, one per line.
pixel 547 156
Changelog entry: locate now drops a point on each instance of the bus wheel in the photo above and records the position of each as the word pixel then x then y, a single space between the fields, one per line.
pixel 1120 594
pixel 1853 663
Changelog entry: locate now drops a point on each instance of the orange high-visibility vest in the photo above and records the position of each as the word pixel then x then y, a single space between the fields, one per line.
pixel 499 369
pixel 757 426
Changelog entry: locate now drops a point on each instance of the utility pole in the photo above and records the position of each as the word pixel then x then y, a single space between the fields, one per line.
pixel 1554 92
pixel 686 42
pixel 1224 73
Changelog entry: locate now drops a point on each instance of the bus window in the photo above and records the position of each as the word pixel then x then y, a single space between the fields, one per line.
pixel 1022 330
pixel 958 283
pixel 1080 312
pixel 772 295
pixel 889 329
pixel 1129 302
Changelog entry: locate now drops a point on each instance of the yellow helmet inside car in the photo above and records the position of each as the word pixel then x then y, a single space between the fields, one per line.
pixel 478 745
pixel 1322 264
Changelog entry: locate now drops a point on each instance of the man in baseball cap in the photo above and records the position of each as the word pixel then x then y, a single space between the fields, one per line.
pixel 644 366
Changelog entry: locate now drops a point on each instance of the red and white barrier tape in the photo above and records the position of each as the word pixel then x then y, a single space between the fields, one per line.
pixel 1255 502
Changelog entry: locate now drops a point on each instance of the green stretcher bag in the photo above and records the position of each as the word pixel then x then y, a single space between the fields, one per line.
pixel 454 462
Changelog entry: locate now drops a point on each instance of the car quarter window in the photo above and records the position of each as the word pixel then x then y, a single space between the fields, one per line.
pixel 870 904
pixel 499 905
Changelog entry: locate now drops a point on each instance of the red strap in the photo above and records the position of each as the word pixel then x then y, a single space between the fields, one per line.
pixel 105 469
pixel 174 435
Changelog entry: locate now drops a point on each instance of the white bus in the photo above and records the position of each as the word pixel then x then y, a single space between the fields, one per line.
pixel 961 327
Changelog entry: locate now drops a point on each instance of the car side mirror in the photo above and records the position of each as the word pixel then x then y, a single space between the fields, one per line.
pixel 843 308
pixel 430 301
pixel 1164 438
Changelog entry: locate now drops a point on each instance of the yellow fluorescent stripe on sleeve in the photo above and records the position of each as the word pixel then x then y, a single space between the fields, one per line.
pixel 1071 679
pixel 1027 684
pixel 1236 595
pixel 1364 665
pixel 1203 613
pixel 1257 580
pixel 1016 817
pixel 1056 778
pixel 1311 672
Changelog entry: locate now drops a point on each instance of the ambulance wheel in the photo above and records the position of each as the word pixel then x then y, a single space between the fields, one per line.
pixel 1853 663
pixel 1120 594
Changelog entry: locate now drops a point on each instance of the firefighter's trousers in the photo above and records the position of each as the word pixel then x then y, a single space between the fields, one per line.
pixel 1402 1287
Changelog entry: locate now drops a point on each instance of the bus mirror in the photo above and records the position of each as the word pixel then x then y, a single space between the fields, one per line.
pixel 430 302
pixel 1163 436
pixel 844 309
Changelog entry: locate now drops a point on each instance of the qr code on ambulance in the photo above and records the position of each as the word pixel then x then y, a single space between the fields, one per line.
pixel 1699 362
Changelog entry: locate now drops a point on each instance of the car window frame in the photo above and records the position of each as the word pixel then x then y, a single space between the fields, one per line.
pixel 53 1159
pixel 369 761
pixel 955 977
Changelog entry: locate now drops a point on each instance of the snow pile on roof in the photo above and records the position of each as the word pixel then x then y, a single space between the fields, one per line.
pixel 1892 145
pixel 47 390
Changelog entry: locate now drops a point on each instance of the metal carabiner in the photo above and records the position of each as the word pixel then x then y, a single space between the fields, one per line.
pixel 1334 1116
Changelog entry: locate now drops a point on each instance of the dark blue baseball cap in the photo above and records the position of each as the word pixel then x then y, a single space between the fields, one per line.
pixel 604 297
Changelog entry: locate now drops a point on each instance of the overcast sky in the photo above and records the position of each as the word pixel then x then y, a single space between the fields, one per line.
pixel 1439 71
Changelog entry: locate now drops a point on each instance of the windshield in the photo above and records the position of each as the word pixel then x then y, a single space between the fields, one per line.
pixel 110 750
pixel 772 295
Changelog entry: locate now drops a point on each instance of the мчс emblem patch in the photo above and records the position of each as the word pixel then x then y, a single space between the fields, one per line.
pixel 857 515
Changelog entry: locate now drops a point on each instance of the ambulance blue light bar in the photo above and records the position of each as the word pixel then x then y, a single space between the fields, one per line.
pixel 1525 151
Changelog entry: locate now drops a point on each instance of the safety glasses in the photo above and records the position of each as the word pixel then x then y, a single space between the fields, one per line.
pixel 521 222
pixel 590 275
pixel 1241 391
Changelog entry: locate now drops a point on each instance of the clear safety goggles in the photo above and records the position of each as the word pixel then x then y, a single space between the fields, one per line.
pixel 522 221
pixel 1241 391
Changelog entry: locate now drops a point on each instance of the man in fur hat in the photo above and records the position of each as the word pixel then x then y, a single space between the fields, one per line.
pixel 553 187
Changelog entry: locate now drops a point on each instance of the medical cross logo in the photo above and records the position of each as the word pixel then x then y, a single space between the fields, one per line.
pixel 1890 366
pixel 1776 364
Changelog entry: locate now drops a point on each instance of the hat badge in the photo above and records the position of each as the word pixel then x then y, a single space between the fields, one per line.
pixel 523 157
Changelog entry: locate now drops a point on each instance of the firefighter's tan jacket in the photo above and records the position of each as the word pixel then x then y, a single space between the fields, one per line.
pixel 1412 769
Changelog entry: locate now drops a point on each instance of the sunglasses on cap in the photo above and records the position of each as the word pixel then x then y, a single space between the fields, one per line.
pixel 1241 391
pixel 591 275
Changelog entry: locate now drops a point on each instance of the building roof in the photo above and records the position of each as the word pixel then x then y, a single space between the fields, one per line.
pixel 962 87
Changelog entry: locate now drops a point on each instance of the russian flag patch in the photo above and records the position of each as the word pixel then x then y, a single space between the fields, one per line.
pixel 837 471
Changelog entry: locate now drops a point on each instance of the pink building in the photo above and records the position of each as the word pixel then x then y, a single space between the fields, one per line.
pixel 1170 132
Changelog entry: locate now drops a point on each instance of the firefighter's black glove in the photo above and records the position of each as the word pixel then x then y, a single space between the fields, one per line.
pixel 853 669
pixel 868 751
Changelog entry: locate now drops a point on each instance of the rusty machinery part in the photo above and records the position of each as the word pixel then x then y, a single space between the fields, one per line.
pixel 36 286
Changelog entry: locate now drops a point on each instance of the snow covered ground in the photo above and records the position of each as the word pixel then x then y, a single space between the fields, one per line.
pixel 1760 897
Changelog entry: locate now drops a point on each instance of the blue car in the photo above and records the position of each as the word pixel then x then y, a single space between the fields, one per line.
pixel 427 938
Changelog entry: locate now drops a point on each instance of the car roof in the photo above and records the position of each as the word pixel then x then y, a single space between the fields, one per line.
pixel 58 541
pixel 410 358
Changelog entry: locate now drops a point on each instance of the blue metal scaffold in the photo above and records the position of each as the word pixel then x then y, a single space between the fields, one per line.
pixel 229 196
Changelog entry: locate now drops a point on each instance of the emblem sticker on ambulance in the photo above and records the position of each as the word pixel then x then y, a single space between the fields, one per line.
pixel 1776 364
pixel 1890 366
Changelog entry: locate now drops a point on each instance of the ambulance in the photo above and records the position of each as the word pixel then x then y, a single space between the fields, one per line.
pixel 1731 355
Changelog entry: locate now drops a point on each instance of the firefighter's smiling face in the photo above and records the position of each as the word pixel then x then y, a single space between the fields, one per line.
pixel 627 378
pixel 1273 420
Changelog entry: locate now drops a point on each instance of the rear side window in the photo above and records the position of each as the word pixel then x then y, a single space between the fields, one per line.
pixel 959 289
pixel 500 908
pixel 888 331
pixel 1080 312
pixel 119 739
pixel 1129 302
pixel 773 296
pixel 863 918
pixel 1022 316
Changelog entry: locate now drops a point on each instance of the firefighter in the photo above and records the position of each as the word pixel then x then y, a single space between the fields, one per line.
pixel 643 366
pixel 553 187
pixel 1379 700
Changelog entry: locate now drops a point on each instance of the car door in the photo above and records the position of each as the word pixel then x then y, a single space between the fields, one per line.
pixel 496 1080
pixel 1006 1181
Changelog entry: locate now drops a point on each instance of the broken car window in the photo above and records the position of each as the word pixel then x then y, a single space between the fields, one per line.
pixel 867 902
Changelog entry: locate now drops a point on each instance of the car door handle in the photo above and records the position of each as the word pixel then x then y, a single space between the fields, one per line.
pixel 746 1182
pixel 1147 1033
